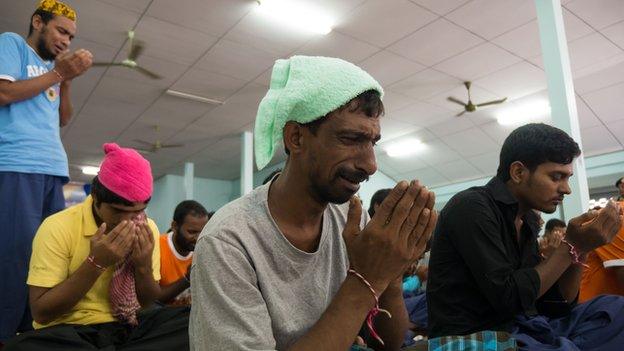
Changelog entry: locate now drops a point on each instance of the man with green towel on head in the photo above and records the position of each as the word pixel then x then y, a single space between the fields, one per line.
pixel 296 264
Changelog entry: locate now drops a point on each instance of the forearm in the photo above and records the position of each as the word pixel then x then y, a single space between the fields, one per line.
pixel 341 322
pixel 570 282
pixel 169 292
pixel 553 268
pixel 66 109
pixel 391 330
pixel 147 288
pixel 20 90
pixel 61 298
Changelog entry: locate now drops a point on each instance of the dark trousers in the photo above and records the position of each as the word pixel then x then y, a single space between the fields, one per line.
pixel 160 328
pixel 597 324
pixel 25 201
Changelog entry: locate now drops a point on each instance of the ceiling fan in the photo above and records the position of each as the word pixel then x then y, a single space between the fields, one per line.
pixel 136 49
pixel 152 147
pixel 469 106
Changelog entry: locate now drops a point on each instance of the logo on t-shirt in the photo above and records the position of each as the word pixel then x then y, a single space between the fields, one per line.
pixel 35 71
pixel 51 94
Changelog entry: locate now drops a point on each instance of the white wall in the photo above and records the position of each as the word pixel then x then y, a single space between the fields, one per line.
pixel 169 192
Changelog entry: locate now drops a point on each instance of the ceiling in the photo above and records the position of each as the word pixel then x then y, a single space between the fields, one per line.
pixel 420 50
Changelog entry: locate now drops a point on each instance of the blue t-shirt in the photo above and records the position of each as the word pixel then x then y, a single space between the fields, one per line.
pixel 30 140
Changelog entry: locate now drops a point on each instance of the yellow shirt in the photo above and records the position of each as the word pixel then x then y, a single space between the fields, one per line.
pixel 61 245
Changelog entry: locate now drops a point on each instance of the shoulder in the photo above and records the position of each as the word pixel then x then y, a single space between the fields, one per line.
pixel 236 219
pixel 11 38
pixel 472 198
pixel 153 227
pixel 63 220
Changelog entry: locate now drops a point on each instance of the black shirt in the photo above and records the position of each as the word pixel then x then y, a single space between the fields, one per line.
pixel 481 274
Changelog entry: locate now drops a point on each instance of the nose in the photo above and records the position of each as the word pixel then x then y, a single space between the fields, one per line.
pixel 565 188
pixel 366 160
pixel 65 41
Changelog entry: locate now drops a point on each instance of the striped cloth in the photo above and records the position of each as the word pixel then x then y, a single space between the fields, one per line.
pixel 122 294
pixel 481 341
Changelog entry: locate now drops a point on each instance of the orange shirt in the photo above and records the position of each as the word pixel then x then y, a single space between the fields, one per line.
pixel 600 278
pixel 172 265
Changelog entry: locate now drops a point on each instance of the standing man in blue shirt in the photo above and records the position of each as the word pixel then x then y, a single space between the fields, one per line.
pixel 35 79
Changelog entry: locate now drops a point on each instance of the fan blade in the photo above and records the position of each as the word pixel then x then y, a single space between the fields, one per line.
pixel 455 100
pixel 171 145
pixel 143 142
pixel 147 72
pixel 136 50
pixel 145 151
pixel 460 114
pixel 493 102
pixel 106 64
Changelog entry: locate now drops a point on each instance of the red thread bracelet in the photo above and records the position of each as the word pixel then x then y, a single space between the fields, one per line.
pixel 576 258
pixel 91 260
pixel 375 311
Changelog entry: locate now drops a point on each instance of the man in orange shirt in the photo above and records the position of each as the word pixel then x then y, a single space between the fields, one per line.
pixel 604 273
pixel 176 252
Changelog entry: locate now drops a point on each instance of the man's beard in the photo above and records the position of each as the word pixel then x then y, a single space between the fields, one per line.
pixel 42 49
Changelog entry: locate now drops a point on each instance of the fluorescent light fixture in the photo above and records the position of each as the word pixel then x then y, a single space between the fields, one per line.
pixel 193 97
pixel 89 170
pixel 404 147
pixel 524 113
pixel 296 15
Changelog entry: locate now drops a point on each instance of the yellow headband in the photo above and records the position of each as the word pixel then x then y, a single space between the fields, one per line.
pixel 57 8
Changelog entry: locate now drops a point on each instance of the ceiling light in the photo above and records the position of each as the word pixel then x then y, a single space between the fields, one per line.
pixel 193 97
pixel 524 113
pixel 89 170
pixel 296 15
pixel 404 147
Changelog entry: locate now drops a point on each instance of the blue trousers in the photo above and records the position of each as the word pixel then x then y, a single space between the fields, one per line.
pixel 597 324
pixel 25 201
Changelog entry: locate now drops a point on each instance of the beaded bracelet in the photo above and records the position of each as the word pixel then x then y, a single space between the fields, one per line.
pixel 576 258
pixel 375 311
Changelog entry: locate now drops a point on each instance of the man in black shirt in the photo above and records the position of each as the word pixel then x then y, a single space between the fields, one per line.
pixel 485 271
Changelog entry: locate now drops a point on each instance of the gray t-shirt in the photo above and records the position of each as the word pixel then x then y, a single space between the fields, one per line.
pixel 252 289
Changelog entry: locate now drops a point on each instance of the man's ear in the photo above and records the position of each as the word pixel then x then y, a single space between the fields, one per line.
pixel 518 172
pixel 292 135
pixel 37 23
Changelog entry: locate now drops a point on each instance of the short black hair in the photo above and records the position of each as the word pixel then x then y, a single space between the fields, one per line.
pixel 188 207
pixel 103 195
pixel 554 222
pixel 46 16
pixel 534 144
pixel 368 102
pixel 618 182
pixel 377 199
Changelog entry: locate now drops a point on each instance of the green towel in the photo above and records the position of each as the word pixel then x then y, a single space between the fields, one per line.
pixel 303 89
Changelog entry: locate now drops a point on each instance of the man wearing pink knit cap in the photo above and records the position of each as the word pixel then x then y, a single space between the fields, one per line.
pixel 96 264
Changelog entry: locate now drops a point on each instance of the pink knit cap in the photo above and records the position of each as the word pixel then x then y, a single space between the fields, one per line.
pixel 126 173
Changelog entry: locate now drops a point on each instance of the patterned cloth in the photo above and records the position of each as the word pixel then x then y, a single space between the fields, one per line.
pixel 481 341
pixel 123 297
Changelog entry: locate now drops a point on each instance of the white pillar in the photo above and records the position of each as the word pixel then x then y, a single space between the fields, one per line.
pixel 189 176
pixel 561 94
pixel 246 182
